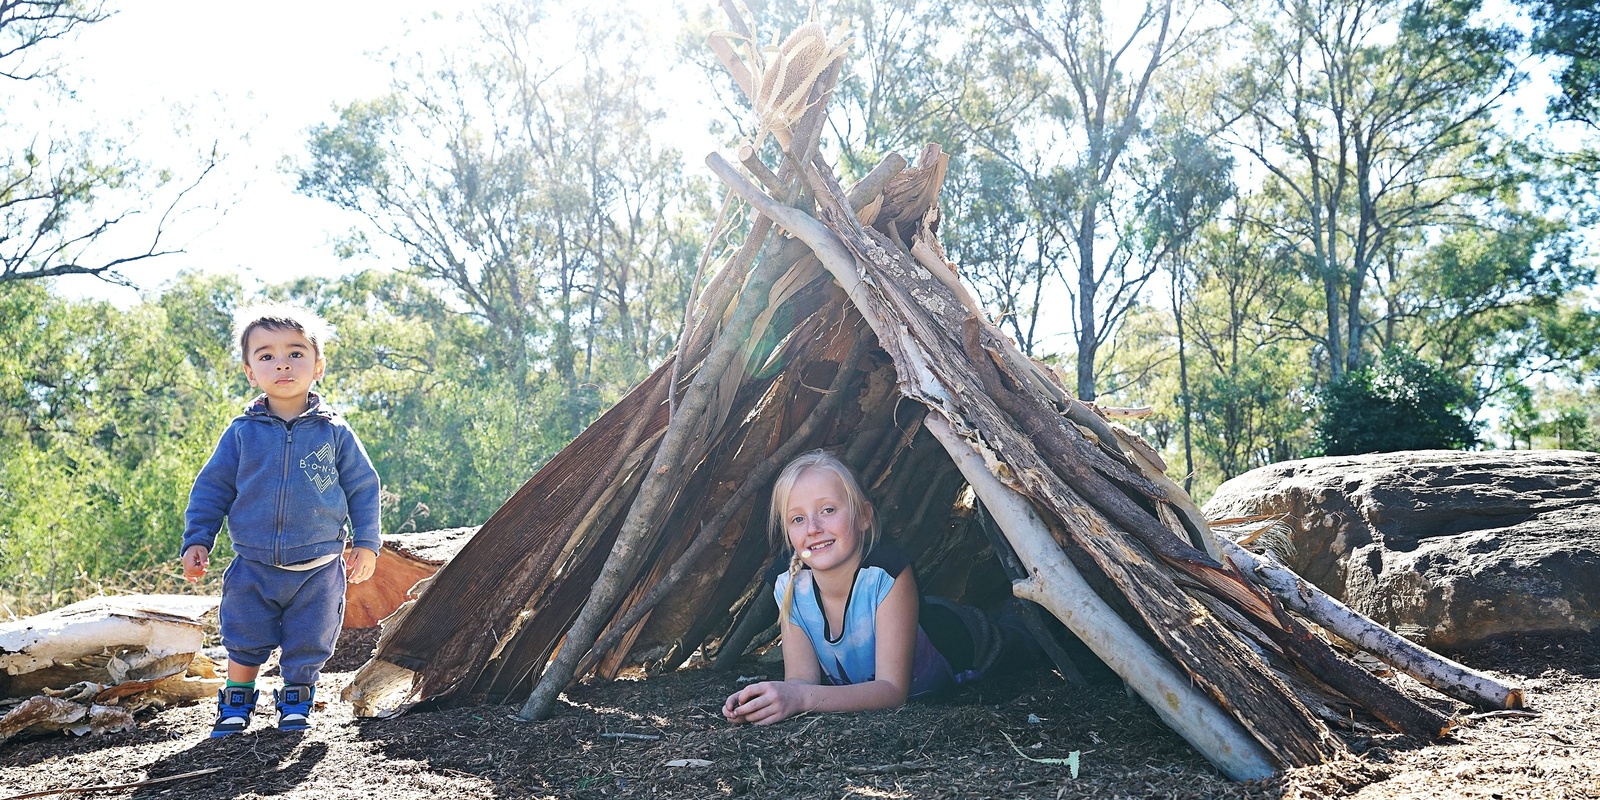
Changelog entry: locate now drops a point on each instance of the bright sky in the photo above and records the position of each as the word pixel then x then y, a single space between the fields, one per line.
pixel 255 78
pixel 252 81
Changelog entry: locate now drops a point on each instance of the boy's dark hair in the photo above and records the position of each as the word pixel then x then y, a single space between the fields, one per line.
pixel 278 317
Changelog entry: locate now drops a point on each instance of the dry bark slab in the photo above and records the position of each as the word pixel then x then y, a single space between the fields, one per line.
pixel 406 560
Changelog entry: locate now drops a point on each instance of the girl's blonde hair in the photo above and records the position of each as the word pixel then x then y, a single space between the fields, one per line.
pixel 777 529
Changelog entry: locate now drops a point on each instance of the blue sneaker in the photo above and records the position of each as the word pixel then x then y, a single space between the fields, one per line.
pixel 234 706
pixel 294 706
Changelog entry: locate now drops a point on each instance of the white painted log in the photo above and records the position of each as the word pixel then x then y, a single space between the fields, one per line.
pixel 159 625
pixel 1056 584
pixel 1447 676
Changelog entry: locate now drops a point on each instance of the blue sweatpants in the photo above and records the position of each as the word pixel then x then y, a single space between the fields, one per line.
pixel 266 607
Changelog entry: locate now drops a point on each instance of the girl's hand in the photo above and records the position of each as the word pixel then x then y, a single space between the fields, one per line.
pixel 195 560
pixel 766 702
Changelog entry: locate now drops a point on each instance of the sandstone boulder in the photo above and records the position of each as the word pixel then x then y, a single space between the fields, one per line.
pixel 1449 548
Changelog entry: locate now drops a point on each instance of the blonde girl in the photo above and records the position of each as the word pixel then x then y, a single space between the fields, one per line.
pixel 848 605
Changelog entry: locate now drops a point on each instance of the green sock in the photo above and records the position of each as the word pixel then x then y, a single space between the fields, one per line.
pixel 248 686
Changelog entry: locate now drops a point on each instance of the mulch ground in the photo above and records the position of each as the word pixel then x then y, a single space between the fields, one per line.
pixel 1001 741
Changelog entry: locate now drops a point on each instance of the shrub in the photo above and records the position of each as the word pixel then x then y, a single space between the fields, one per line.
pixel 1398 403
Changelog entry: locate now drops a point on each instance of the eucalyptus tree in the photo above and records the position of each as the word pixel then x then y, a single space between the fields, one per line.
pixel 522 173
pixel 1100 68
pixel 1186 180
pixel 1569 31
pixel 73 202
pixel 1374 121
pixel 1250 369
pixel 994 236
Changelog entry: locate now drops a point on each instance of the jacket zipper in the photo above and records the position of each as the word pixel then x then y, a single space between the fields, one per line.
pixel 283 492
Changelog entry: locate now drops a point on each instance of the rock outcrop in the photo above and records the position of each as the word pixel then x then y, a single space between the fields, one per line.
pixel 1448 548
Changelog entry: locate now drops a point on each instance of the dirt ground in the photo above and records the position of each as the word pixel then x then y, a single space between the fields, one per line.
pixel 954 747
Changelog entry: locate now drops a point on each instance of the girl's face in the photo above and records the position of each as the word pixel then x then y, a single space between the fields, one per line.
pixel 819 522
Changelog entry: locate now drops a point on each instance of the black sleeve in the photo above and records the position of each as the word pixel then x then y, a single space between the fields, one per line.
pixel 946 623
pixel 889 558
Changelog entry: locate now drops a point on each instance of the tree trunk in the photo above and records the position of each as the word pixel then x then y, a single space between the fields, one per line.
pixel 1087 332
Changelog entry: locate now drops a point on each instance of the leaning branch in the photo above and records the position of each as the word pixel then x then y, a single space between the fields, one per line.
pixel 756 480
pixel 677 446
pixel 1056 584
pixel 1456 680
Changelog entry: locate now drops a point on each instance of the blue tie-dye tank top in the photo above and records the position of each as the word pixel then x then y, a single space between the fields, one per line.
pixel 850 656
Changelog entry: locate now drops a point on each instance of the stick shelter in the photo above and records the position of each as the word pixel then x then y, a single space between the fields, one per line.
pixel 838 322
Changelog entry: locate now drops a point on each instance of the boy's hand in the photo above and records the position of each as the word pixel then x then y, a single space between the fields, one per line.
pixel 195 560
pixel 359 564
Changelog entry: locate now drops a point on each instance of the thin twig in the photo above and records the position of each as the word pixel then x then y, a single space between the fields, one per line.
pixel 802 732
pixel 117 786
pixel 1071 761
pixel 644 737
pixel 1508 712
pixel 890 769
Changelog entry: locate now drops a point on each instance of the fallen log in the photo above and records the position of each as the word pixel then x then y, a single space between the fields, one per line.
pixel 88 667
pixel 1447 676
pixel 405 560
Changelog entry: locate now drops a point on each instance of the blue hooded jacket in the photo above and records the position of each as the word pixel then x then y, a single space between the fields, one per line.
pixel 285 490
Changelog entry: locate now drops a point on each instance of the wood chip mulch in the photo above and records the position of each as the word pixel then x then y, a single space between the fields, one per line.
pixel 678 746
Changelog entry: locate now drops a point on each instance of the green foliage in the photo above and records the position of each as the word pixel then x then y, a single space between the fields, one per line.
pixel 107 414
pixel 451 433
pixel 994 224
pixel 1375 122
pixel 1569 30
pixel 1186 179
pixel 520 179
pixel 1097 72
pixel 1398 403
pixel 105 422
pixel 1249 376
pixel 1565 418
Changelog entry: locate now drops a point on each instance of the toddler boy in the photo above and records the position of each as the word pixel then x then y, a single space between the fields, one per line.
pixel 287 474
